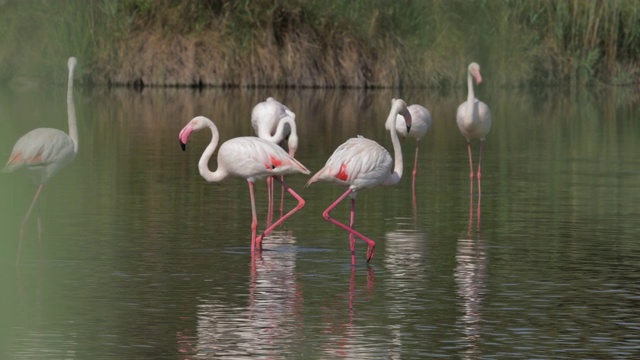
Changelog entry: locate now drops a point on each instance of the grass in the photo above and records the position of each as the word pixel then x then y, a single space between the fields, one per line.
pixel 323 43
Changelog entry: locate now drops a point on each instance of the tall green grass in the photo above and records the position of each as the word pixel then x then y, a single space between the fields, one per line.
pixel 323 43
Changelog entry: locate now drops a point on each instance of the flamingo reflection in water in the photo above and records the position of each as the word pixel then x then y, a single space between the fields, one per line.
pixel 42 152
pixel 405 265
pixel 345 338
pixel 271 323
pixel 471 276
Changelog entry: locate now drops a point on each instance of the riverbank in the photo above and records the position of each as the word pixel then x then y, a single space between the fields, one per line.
pixel 312 43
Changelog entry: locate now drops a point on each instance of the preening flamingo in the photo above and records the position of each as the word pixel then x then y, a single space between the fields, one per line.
pixel 44 151
pixel 275 122
pixel 474 121
pixel 420 124
pixel 360 164
pixel 248 157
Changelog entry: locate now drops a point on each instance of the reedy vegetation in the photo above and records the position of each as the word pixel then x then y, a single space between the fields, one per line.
pixel 322 43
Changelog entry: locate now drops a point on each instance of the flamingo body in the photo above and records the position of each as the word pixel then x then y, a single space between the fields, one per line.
pixel 420 122
pixel 473 116
pixel 248 157
pixel 360 163
pixel 42 152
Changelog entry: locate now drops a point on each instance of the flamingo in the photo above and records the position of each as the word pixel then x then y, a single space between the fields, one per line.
pixel 474 121
pixel 360 164
pixel 248 157
pixel 42 152
pixel 275 122
pixel 420 124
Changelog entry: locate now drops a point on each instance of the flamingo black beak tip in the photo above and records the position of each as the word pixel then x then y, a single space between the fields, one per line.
pixel 183 145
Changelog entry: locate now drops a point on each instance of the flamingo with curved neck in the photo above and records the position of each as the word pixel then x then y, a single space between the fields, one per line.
pixel 247 157
pixel 361 163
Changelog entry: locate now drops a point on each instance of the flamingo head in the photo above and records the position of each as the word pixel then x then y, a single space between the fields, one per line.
pixel 197 123
pixel 72 62
pixel 292 144
pixel 398 107
pixel 474 70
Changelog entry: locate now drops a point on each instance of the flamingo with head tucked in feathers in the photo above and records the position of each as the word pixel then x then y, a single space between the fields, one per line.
pixel 275 122
pixel 42 152
pixel 420 124
pixel 250 158
pixel 361 163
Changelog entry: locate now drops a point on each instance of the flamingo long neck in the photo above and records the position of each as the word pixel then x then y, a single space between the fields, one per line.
pixel 71 111
pixel 395 177
pixel 468 119
pixel 203 164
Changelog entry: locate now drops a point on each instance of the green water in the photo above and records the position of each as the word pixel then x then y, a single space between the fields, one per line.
pixel 131 254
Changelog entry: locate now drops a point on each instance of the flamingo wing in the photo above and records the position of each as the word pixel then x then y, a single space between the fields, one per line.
pixel 252 157
pixel 359 162
pixel 41 147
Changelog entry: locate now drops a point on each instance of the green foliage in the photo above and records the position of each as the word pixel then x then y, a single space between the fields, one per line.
pixel 399 42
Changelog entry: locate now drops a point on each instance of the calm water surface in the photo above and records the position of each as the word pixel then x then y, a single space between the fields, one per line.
pixel 130 254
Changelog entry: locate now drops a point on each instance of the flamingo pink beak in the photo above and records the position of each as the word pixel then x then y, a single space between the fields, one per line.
pixel 477 76
pixel 184 136
pixel 407 119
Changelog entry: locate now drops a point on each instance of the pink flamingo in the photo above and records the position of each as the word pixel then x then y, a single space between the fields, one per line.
pixel 420 124
pixel 274 122
pixel 44 151
pixel 474 122
pixel 248 157
pixel 360 164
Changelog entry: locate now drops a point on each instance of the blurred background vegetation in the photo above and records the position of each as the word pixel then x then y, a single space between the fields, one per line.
pixel 321 43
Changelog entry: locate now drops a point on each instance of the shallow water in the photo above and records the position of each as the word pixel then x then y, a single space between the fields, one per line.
pixel 131 254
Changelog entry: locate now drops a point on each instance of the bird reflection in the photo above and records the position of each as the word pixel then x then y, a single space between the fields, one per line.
pixel 405 263
pixel 44 151
pixel 271 320
pixel 478 211
pixel 339 328
pixel 470 276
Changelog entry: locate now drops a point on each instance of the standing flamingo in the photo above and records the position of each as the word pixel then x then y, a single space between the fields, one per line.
pixel 360 164
pixel 474 122
pixel 420 124
pixel 44 151
pixel 273 121
pixel 248 157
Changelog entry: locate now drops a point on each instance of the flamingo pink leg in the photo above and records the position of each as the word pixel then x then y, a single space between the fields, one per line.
pixel 254 217
pixel 282 189
pixel 479 176
pixel 352 239
pixel 414 201
pixel 270 200
pixel 300 205
pixel 24 220
pixel 327 217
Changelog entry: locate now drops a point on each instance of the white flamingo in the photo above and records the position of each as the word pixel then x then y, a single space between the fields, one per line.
pixel 44 151
pixel 275 122
pixel 474 118
pixel 247 157
pixel 360 164
pixel 420 124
